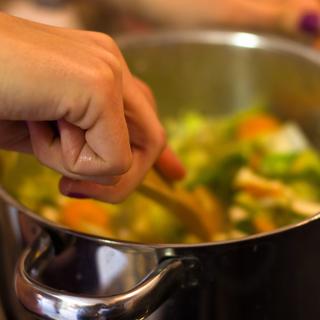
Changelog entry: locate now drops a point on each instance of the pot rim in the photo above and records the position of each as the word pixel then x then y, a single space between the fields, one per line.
pixel 9 200
pixel 229 38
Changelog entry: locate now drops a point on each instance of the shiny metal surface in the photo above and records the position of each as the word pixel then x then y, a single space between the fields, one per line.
pixel 222 72
pixel 261 277
pixel 10 247
pixel 143 299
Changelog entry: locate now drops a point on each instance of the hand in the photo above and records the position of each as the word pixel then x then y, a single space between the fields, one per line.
pixel 109 133
pixel 267 14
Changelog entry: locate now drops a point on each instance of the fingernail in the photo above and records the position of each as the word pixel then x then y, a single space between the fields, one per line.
pixel 77 195
pixel 310 23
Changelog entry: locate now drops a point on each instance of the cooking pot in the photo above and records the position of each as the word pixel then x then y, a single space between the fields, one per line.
pixel 62 274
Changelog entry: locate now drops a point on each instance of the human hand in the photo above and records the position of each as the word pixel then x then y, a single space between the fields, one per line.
pixel 109 133
pixel 288 15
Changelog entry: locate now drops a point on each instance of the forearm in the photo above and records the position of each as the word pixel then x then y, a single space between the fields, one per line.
pixel 190 12
pixel 276 14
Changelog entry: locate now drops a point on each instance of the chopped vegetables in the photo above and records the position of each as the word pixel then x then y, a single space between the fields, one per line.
pixel 263 223
pixel 259 124
pixel 252 172
pixel 83 214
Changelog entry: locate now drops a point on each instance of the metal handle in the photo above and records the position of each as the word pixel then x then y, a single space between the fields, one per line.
pixel 49 303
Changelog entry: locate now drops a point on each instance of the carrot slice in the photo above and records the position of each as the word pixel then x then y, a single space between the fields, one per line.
pixel 258 124
pixel 263 223
pixel 77 213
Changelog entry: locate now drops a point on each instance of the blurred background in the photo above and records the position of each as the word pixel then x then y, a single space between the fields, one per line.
pixel 294 18
pixel 299 19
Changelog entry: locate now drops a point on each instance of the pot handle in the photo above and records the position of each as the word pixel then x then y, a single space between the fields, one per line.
pixel 50 303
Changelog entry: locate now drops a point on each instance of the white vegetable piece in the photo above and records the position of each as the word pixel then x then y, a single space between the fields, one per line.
pixel 305 208
pixel 289 139
pixel 237 214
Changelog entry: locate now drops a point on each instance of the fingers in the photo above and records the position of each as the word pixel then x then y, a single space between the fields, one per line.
pixel 169 165
pixel 79 156
pixel 49 151
pixel 109 133
pixel 94 140
pixel 112 194
pixel 113 139
pixel 14 135
pixel 147 140
pixel 146 91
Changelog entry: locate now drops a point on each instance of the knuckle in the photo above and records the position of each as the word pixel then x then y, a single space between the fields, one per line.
pixel 70 165
pixel 109 43
pixel 41 156
pixel 159 138
pixel 112 62
pixel 120 165
pixel 145 88
pixel 105 41
pixel 105 73
pixel 106 171
pixel 46 161
pixel 101 78
pixel 156 141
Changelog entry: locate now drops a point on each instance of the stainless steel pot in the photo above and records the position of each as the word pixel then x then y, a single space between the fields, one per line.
pixel 66 275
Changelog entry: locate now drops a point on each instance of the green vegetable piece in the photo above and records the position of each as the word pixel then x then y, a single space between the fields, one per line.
pixel 220 178
pixel 277 165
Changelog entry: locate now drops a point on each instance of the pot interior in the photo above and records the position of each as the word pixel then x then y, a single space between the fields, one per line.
pixel 211 73
pixel 221 72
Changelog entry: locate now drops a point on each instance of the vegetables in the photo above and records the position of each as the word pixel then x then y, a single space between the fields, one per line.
pixel 220 178
pixel 81 214
pixel 263 223
pixel 255 125
pixel 259 186
pixel 273 166
pixel 252 171
pixel 288 139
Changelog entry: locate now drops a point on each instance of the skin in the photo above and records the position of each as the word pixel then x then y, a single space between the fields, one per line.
pixel 68 97
pixel 270 14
